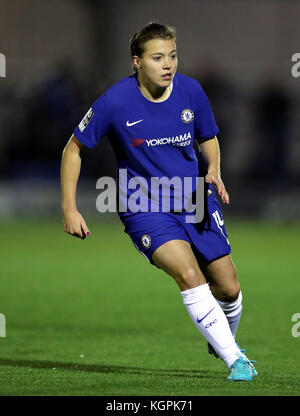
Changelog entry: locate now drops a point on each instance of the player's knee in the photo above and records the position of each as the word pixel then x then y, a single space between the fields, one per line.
pixel 189 277
pixel 230 294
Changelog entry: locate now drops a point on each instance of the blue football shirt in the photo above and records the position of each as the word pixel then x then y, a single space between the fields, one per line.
pixel 151 140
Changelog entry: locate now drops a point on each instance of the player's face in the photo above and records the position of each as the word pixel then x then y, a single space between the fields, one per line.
pixel 158 64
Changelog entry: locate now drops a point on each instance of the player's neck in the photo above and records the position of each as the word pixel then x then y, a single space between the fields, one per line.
pixel 153 92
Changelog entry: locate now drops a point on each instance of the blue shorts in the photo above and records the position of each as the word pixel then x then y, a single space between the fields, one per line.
pixel 149 230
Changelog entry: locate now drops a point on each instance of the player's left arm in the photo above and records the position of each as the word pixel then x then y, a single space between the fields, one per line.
pixel 211 152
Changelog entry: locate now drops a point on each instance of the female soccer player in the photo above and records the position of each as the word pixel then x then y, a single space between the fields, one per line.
pixel 152 119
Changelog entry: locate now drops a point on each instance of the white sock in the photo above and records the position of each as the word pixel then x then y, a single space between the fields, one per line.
pixel 233 312
pixel 210 320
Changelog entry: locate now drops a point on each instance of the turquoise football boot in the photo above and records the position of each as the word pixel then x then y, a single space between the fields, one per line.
pixel 242 370
pixel 212 351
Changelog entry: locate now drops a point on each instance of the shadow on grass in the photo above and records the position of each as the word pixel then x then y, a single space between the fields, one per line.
pixel 111 369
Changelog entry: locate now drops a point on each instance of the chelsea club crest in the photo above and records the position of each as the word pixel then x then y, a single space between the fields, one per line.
pixel 187 116
pixel 146 241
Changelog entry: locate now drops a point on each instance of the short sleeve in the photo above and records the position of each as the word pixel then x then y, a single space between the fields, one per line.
pixel 205 124
pixel 95 124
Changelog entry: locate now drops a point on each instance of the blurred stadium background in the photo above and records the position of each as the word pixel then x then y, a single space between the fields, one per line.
pixel 61 55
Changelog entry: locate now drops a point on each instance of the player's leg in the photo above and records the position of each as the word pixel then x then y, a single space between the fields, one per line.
pixel 222 277
pixel 162 239
pixel 177 259
pixel 212 249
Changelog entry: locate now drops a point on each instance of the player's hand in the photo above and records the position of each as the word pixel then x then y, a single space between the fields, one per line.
pixel 75 225
pixel 215 179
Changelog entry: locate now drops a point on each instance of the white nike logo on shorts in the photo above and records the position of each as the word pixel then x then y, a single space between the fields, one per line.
pixel 132 124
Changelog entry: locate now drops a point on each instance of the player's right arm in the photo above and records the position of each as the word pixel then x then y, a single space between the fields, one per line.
pixel 73 222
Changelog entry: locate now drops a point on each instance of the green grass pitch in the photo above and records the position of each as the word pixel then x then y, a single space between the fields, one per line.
pixel 94 317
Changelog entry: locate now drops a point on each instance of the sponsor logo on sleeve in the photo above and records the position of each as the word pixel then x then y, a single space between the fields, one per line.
pixel 86 119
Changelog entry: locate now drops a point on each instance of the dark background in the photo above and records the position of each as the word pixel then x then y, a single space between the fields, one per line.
pixel 61 55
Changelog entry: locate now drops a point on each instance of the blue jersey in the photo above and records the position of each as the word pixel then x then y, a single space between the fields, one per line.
pixel 151 139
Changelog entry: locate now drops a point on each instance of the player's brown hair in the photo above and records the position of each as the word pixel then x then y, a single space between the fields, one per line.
pixel 151 31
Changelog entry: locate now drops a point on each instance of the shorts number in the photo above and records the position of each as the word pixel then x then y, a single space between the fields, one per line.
pixel 220 223
pixel 218 219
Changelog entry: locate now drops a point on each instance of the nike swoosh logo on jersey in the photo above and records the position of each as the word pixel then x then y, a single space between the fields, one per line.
pixel 199 320
pixel 132 124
